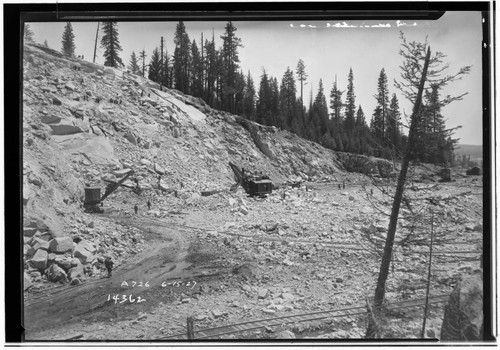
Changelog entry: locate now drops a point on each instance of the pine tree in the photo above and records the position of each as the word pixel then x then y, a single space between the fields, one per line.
pixel 134 65
pixel 211 66
pixel 142 57
pixel 393 122
pixel 288 98
pixel 155 66
pixel 111 45
pixel 182 58
pixel 321 110
pixel 360 117
pixel 249 98
pixel 302 77
pixel 197 71
pixel 381 110
pixel 230 60
pixel 336 104
pixel 68 41
pixel 275 103
pixel 263 107
pixel 240 87
pixel 29 35
pixel 350 107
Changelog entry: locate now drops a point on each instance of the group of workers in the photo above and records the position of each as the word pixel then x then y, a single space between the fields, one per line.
pixel 136 207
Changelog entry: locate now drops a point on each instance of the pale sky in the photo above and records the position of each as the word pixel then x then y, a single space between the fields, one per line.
pixel 327 48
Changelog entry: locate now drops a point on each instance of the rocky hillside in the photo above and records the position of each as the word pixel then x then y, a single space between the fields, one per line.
pixel 84 123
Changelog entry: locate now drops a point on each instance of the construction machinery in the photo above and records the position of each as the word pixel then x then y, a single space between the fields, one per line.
pixel 445 174
pixel 93 200
pixel 254 184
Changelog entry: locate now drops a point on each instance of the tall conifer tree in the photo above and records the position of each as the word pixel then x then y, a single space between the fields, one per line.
pixel 68 40
pixel 111 45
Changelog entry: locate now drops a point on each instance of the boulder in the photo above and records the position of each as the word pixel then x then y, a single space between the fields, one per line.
pixel 38 243
pixel 65 129
pixel 75 282
pixel 70 86
pixel 109 71
pixel 87 245
pixel 61 245
pixel 464 316
pixel 77 271
pixel 159 169
pixel 243 210
pixel 63 261
pixel 29 231
pixel 131 138
pixel 55 273
pixel 121 172
pixel 28 250
pixel 263 293
pixel 217 313
pixel 285 335
pixel 39 260
pixel 175 132
pixel 50 119
pixel 56 101
pixel 27 281
pixel 145 162
pixel 82 253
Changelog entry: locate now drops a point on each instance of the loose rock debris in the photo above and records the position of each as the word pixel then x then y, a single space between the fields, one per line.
pixel 238 258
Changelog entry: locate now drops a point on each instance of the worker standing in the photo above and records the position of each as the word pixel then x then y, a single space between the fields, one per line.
pixel 136 208
pixel 149 204
pixel 109 265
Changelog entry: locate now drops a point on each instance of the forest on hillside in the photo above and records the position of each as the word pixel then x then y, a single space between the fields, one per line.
pixel 332 118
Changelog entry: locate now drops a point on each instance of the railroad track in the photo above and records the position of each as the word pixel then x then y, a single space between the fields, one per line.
pixel 301 318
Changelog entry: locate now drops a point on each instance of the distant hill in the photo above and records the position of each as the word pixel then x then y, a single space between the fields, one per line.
pixel 475 151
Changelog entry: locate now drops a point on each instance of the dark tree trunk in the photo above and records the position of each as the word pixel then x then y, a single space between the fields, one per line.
pixel 389 242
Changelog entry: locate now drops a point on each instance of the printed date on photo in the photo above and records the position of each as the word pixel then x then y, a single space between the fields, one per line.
pixel 164 284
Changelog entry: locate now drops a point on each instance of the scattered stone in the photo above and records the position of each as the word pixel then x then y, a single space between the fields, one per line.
pixel 50 119
pixel 61 245
pixel 65 129
pixel 263 293
pixel 77 271
pixel 75 282
pixel 243 210
pixel 131 138
pixel 268 311
pixel 27 281
pixel 285 335
pixel 200 317
pixel 39 260
pixel 38 243
pixel 29 231
pixel 217 313
pixel 55 273
pixel 70 86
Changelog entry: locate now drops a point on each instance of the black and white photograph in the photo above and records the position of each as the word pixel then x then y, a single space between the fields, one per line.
pixel 230 178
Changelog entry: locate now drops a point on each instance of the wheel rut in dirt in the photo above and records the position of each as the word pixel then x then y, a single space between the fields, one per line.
pixel 171 257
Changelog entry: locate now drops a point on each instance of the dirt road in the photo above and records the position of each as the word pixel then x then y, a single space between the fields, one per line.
pixel 147 275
